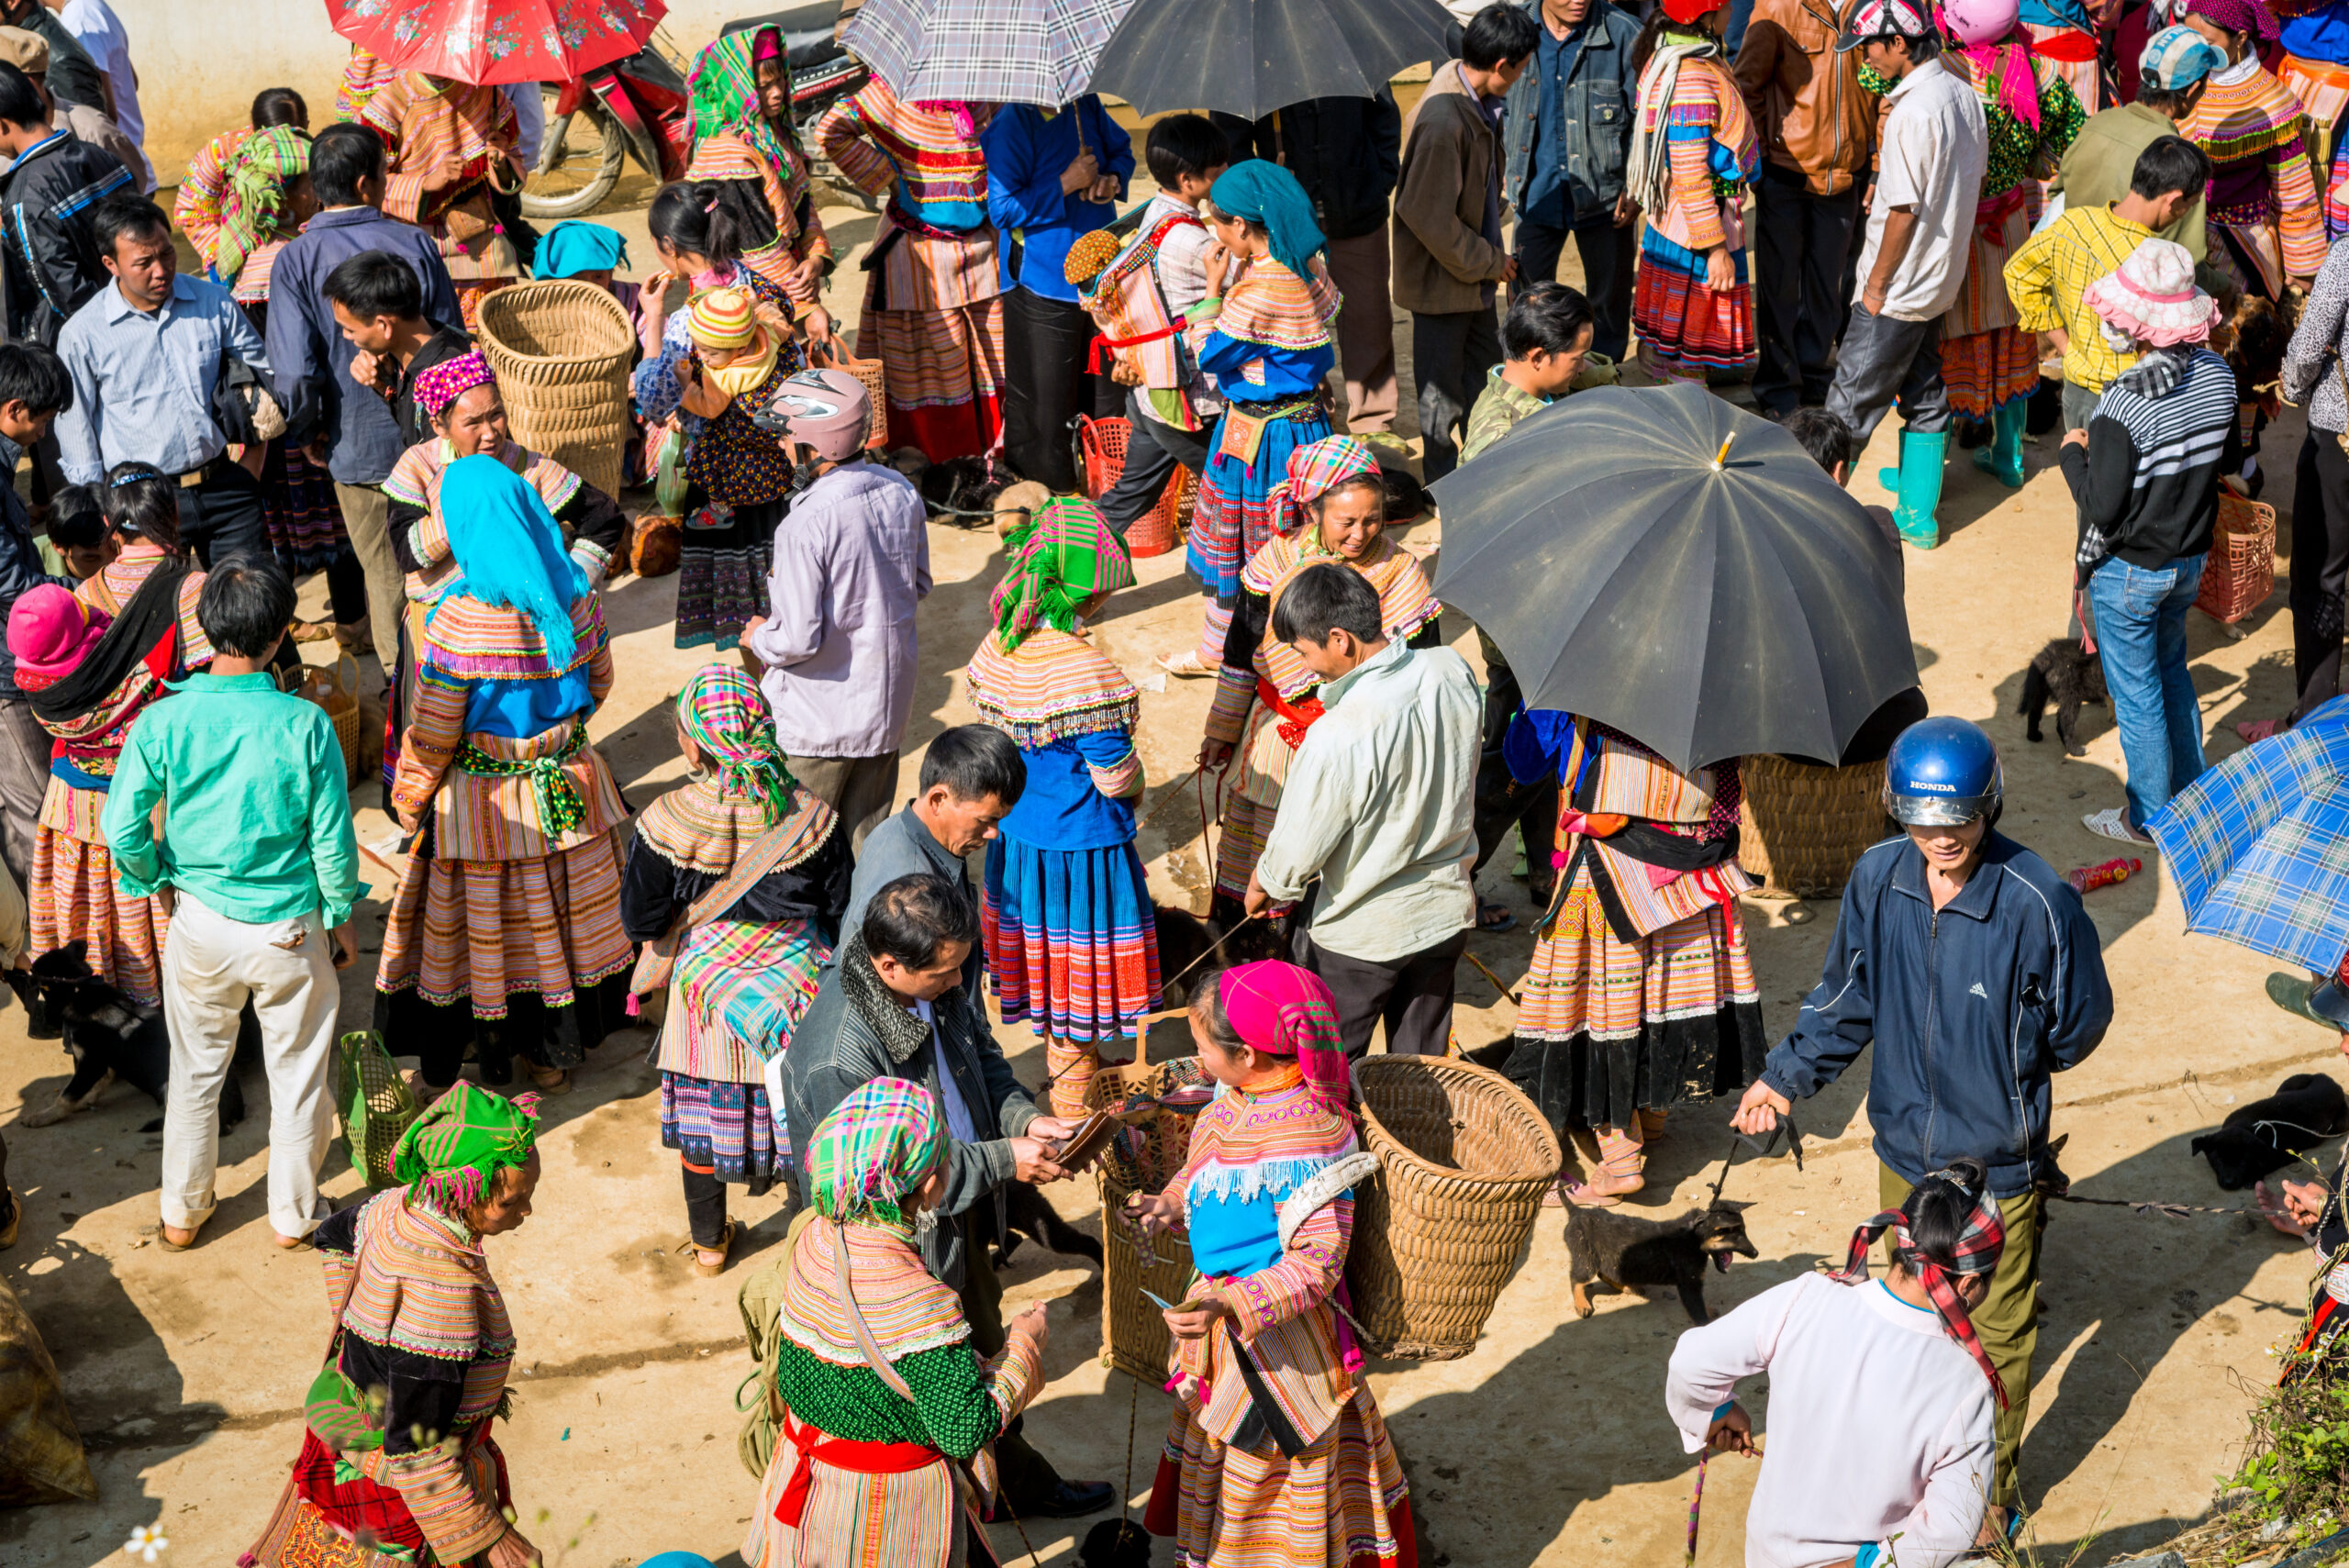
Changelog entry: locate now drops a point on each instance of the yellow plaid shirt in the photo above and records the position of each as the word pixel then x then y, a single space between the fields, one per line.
pixel 2047 278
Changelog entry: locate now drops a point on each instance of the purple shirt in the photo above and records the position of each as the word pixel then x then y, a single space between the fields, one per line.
pixel 851 560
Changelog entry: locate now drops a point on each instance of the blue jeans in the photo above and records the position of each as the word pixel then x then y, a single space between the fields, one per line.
pixel 2141 633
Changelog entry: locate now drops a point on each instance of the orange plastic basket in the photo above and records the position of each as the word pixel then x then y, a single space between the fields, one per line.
pixel 1157 530
pixel 2240 572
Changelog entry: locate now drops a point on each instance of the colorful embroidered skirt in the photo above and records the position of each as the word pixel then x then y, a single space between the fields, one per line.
pixel 727 1130
pixel 73 897
pixel 1987 360
pixel 912 1519
pixel 317 1516
pixel 1686 331
pixel 1232 519
pixel 1071 941
pixel 1608 1027
pixel 943 370
pixel 722 572
pixel 1342 1502
pixel 298 504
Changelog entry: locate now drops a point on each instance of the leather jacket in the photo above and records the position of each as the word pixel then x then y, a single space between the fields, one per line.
pixel 1806 99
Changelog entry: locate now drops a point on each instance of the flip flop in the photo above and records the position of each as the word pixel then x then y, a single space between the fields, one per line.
pixel 2257 730
pixel 1492 914
pixel 1186 665
pixel 2112 823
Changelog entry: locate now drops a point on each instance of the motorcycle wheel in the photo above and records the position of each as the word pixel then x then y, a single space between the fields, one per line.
pixel 580 160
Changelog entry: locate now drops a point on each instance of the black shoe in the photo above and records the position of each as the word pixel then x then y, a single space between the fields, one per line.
pixel 1069 1500
pixel 41 1021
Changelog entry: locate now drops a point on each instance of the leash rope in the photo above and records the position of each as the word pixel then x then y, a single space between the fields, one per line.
pixel 2167 1210
pixel 1125 1494
pixel 1142 1021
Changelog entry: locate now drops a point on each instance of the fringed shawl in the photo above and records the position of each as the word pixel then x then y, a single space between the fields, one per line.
pixel 696 829
pixel 1053 686
pixel 2240 121
pixel 908 1310
pixel 467 640
pixel 1406 602
pixel 1274 308
pixel 413 1285
pixel 1248 1145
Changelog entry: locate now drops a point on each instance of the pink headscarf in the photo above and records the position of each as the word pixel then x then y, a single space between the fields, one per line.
pixel 2008 67
pixel 1283 1010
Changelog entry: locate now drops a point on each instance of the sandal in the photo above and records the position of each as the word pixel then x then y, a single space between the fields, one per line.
pixel 2258 730
pixel 724 1249
pixel 1492 914
pixel 309 632
pixel 1187 665
pixel 549 1080
pixel 2113 823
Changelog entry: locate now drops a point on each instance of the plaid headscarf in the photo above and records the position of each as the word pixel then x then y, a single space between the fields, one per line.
pixel 1315 470
pixel 1978 1246
pixel 451 1156
pixel 727 718
pixel 253 206
pixel 1057 560
pixel 450 380
pixel 725 87
pixel 877 1145
pixel 1283 1010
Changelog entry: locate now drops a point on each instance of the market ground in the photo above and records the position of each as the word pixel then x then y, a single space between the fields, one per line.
pixel 1547 1445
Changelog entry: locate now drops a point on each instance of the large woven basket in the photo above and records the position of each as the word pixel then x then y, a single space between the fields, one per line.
pixel 2240 572
pixel 1134 1337
pixel 561 350
pixel 1803 829
pixel 1464 1160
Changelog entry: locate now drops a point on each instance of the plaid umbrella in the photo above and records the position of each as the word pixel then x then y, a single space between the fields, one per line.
pixel 2259 844
pixel 988 51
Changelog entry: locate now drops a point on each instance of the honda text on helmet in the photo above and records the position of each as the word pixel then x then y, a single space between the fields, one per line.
pixel 1943 772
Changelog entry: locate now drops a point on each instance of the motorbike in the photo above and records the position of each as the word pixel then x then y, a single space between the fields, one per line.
pixel 640 107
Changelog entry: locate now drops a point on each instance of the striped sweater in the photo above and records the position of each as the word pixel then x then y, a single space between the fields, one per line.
pixel 2147 483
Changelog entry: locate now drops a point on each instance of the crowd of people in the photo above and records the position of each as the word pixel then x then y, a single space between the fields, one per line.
pixel 1933 191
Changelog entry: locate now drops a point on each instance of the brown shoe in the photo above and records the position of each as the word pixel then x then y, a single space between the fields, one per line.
pixel 723 1250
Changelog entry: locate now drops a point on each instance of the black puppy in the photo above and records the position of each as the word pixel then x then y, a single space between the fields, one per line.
pixel 111 1037
pixel 962 484
pixel 1607 1247
pixel 1115 1544
pixel 2065 675
pixel 1029 1215
pixel 2306 1109
pixel 1184 939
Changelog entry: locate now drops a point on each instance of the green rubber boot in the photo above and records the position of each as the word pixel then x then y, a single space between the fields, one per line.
pixel 2002 459
pixel 1920 487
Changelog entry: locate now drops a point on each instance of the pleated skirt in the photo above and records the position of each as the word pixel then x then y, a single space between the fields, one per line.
pixel 1686 330
pixel 943 372
pixel 1071 938
pixel 1234 517
pixel 73 897
pixel 1340 1504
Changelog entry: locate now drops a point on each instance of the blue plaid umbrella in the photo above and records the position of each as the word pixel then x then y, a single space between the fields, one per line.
pixel 2259 844
pixel 985 51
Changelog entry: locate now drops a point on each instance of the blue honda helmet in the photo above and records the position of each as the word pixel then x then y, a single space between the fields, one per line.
pixel 1943 772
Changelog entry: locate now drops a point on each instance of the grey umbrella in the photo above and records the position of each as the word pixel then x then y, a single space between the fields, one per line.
pixel 1672 566
pixel 1251 56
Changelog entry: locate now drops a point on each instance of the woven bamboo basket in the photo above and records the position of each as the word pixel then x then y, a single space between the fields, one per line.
pixel 1135 1338
pixel 1803 829
pixel 561 350
pixel 328 686
pixel 1464 1160
pixel 2241 572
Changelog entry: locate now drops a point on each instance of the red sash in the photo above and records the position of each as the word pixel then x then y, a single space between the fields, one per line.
pixel 842 1453
pixel 1295 718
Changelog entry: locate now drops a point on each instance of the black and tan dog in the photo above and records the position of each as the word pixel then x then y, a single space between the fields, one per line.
pixel 1607 1247
pixel 2063 672
pixel 111 1037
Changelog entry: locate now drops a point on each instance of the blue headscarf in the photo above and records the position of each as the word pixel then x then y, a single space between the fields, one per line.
pixel 1267 194
pixel 569 249
pixel 510 550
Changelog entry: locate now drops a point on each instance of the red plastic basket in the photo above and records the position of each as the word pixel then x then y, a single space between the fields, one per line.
pixel 2240 572
pixel 1157 530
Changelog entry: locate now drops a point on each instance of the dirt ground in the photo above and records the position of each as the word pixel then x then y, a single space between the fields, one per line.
pixel 1547 1445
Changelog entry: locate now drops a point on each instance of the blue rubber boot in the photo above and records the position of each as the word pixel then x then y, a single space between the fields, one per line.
pixel 1921 489
pixel 2002 459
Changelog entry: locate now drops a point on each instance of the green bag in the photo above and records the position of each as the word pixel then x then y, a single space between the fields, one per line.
pixel 374 1102
pixel 758 1397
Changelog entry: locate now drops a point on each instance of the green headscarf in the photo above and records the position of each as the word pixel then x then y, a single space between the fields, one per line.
pixel 1269 196
pixel 1057 560
pixel 877 1145
pixel 725 89
pixel 252 208
pixel 451 1156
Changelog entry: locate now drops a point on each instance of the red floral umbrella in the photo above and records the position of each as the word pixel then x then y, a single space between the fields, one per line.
pixel 486 42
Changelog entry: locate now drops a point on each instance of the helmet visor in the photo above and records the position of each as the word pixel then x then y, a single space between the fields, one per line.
pixel 1938 810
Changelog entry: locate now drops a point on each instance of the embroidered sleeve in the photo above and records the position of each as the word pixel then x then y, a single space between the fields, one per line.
pixel 1692 179
pixel 842 134
pixel 956 1398
pixel 1305 1274
pixel 457 1520
pixel 434 732
pixel 599 661
pixel 1110 756
pixel 2299 216
pixel 2060 120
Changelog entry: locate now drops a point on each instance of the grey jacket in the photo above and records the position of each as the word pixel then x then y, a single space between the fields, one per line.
pixel 855 1031
pixel 904 846
pixel 1600 96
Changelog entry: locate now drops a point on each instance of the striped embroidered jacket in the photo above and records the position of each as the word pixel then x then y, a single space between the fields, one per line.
pixel 2261 179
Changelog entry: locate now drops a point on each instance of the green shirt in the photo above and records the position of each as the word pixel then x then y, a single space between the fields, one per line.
pixel 2097 168
pixel 1498 408
pixel 256 812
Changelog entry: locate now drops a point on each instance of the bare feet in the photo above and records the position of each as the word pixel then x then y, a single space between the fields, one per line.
pixel 178 1240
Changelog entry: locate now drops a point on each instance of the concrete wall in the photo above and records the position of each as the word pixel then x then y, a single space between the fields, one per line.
pixel 200 61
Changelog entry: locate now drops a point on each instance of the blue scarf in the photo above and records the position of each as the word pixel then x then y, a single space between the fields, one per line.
pixel 510 550
pixel 1268 195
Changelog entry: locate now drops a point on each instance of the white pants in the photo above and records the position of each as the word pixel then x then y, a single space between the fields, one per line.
pixel 211 965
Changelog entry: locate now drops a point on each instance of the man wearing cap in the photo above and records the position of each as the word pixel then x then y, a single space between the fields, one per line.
pixel 1976 972
pixel 2172 74
pixel 835 652
pixel 1930 159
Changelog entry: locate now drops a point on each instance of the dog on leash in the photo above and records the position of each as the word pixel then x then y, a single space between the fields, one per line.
pixel 1607 1247
pixel 2066 674
pixel 1184 939
pixel 2263 1136
pixel 111 1037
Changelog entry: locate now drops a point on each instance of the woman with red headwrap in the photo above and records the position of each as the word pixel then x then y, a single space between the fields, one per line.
pixel 1883 1402
pixel 1289 1462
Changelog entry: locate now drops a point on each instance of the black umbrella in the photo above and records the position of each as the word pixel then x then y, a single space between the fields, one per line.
pixel 1681 570
pixel 1251 56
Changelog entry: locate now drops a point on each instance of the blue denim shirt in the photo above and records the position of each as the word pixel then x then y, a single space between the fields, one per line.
pixel 1567 138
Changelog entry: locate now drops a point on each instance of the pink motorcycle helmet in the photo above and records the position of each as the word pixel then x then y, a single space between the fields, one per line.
pixel 1980 21
pixel 828 410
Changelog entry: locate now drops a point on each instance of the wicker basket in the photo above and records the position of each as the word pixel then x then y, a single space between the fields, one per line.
pixel 561 350
pixel 1157 530
pixel 328 686
pixel 832 355
pixel 2240 572
pixel 1135 1338
pixel 1464 1160
pixel 1803 829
